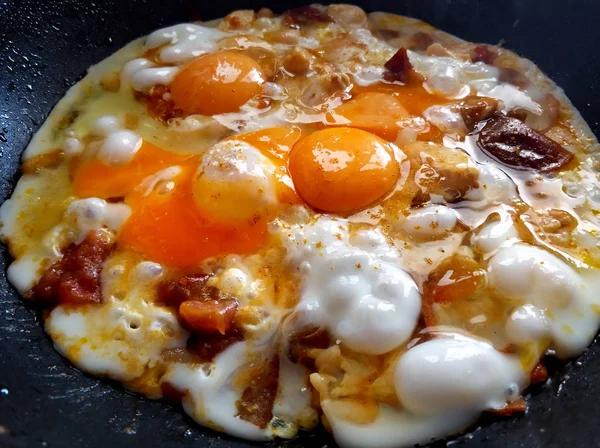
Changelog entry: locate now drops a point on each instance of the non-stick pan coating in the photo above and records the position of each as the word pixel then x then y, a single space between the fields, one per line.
pixel 46 46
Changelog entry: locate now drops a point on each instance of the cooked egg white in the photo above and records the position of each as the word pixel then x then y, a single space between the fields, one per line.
pixel 352 285
pixel 213 190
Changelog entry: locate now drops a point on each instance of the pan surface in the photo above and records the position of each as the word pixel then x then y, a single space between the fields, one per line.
pixel 46 46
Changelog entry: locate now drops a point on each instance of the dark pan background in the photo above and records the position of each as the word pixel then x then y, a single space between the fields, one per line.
pixel 46 46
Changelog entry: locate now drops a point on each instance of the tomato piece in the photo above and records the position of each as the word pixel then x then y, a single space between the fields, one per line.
pixel 209 316
pixel 456 278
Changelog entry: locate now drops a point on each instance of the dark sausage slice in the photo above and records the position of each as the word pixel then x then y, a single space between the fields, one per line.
pixel 256 404
pixel 75 278
pixel 514 144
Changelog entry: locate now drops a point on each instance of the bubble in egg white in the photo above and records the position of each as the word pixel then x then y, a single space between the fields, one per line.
pixel 527 324
pixel 493 235
pixel 147 270
pixel 72 146
pixel 106 125
pixel 233 281
pixel 119 147
pixel 456 375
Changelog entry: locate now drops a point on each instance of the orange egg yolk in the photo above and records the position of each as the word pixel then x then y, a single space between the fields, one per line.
pixel 413 97
pixel 92 178
pixel 343 169
pixel 217 83
pixel 167 227
pixel 168 224
pixel 275 143
pixel 376 112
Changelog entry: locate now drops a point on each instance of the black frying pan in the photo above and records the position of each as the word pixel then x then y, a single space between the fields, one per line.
pixel 46 46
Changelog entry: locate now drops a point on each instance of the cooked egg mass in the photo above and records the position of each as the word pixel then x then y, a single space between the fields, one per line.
pixel 325 216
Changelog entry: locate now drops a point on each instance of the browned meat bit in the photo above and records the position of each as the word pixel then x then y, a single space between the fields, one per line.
pixel 474 109
pixel 256 403
pixel 519 114
pixel 238 20
pixel 286 36
pixel 159 103
pixel 346 14
pixel 442 171
pixel 514 144
pixel 50 159
pixel 75 279
pixel 298 61
pixel 174 292
pixel 399 68
pixel 324 87
pixel 305 14
pixel 206 346
pixel 169 393
pixel 511 76
pixel 265 12
pixel 302 343
pixel 510 409
pixel 420 41
pixel 555 221
pixel 386 34
pixel 483 53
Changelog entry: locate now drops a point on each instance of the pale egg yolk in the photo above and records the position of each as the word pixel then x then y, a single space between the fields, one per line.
pixel 276 144
pixel 343 169
pixel 217 83
pixel 245 177
pixel 379 113
pixel 235 182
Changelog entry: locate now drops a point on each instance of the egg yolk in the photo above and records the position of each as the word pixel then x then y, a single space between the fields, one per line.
pixel 166 226
pixel 379 113
pixel 92 178
pixel 217 83
pixel 188 208
pixel 245 177
pixel 413 97
pixel 275 143
pixel 343 169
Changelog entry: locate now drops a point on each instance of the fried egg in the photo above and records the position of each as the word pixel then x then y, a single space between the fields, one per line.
pixel 323 216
